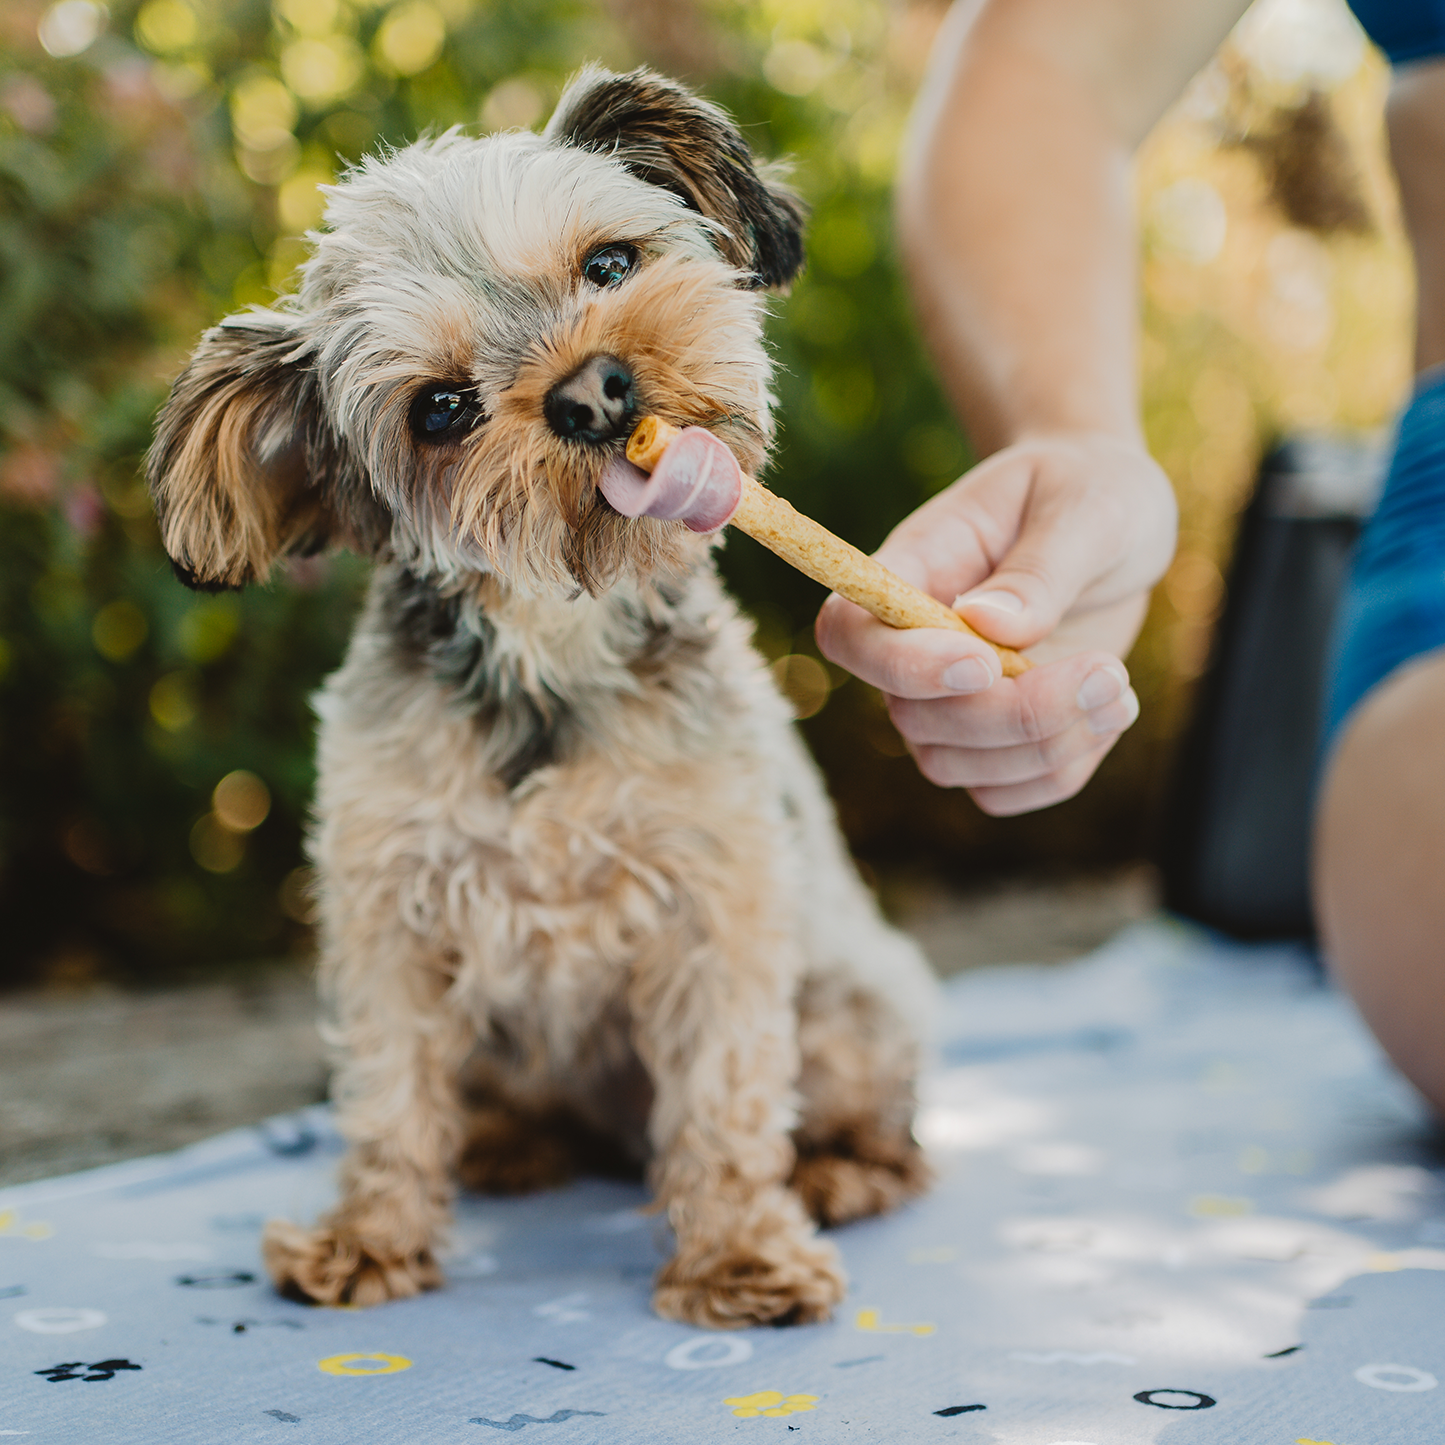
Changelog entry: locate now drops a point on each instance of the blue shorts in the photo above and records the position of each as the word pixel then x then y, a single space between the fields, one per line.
pixel 1405 30
pixel 1393 608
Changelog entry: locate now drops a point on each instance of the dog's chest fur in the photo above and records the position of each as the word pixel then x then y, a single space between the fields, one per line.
pixel 554 784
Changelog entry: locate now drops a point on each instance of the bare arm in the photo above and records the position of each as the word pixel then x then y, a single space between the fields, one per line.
pixel 1015 206
pixel 1016 221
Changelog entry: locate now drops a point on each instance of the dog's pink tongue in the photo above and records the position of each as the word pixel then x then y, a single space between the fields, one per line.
pixel 697 482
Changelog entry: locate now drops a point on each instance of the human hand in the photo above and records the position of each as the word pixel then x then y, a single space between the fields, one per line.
pixel 1054 543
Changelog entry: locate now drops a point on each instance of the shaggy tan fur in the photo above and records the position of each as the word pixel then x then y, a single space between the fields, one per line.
pixel 583 899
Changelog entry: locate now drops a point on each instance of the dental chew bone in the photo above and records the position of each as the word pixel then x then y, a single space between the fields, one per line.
pixel 696 480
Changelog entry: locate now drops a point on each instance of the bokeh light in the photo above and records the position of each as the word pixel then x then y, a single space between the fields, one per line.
pixel 241 801
pixel 71 26
pixel 804 682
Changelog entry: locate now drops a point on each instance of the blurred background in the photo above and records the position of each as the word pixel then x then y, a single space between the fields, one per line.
pixel 158 163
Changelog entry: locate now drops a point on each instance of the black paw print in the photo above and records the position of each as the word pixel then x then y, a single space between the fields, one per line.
pixel 75 1370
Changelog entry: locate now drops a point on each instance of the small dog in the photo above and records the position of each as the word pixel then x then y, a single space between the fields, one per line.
pixel 578 878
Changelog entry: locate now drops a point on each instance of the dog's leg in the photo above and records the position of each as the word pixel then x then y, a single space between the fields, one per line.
pixel 716 1028
pixel 865 1010
pixel 856 1151
pixel 397 1104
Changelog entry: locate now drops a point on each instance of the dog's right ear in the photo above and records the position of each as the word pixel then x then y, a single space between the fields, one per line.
pixel 243 467
pixel 666 135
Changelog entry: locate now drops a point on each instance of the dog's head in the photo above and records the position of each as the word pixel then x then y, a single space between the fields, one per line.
pixel 479 326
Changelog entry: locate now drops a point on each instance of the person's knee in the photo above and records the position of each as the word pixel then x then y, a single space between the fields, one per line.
pixel 1384 783
pixel 1380 863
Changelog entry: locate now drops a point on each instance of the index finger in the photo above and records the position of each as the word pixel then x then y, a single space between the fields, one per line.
pixel 920 663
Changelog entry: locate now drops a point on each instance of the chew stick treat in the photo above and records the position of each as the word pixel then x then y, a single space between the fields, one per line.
pixel 696 480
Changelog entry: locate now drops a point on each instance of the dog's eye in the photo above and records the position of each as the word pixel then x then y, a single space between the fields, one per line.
pixel 610 266
pixel 441 412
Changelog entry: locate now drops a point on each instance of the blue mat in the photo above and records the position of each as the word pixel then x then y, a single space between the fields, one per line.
pixel 1182 1199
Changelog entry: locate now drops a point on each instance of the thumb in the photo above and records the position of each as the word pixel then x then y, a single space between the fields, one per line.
pixel 1059 551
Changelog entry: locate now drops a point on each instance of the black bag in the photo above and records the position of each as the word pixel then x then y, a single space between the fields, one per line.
pixel 1235 838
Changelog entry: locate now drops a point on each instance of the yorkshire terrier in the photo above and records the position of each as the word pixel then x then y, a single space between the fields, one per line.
pixel 578 879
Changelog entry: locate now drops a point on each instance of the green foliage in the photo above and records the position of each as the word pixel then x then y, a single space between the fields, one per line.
pixel 157 177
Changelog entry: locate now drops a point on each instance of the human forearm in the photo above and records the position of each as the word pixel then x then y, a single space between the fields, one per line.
pixel 1017 234
pixel 1015 204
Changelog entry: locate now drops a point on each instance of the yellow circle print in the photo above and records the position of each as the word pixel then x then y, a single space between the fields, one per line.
pixel 770 1402
pixel 363 1364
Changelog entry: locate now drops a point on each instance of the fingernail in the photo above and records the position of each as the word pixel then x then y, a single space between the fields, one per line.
pixel 1004 601
pixel 1101 686
pixel 1115 718
pixel 968 674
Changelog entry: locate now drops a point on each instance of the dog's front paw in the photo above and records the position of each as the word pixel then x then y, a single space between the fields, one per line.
pixel 793 1283
pixel 333 1266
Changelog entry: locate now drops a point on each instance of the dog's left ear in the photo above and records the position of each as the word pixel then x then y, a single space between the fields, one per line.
pixel 244 469
pixel 665 135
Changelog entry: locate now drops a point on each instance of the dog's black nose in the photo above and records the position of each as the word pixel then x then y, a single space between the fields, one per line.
pixel 595 404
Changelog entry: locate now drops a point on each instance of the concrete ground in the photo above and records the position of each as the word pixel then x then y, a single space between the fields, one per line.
pixel 87 1079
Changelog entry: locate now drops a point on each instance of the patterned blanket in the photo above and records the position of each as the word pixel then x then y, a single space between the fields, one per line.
pixel 1181 1199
